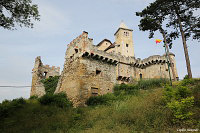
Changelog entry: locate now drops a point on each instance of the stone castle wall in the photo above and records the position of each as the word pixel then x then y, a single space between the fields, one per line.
pixel 89 71
pixel 39 73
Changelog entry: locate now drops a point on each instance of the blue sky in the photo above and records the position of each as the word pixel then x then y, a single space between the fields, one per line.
pixel 63 21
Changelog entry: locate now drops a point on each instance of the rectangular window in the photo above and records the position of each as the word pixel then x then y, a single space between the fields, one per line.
pixel 76 50
pixel 94 91
pixel 126 45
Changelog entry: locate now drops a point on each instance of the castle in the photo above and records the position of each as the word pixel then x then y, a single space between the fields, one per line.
pixel 91 70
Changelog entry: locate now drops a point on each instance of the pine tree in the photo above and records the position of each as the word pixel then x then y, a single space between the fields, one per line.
pixel 180 15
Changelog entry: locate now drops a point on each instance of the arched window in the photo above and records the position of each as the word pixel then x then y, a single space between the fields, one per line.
pixel 140 76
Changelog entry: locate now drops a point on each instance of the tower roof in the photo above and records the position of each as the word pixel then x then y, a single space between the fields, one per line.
pixel 123 25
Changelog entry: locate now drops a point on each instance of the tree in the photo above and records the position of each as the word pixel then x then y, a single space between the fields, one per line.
pixel 180 16
pixel 17 12
pixel 152 22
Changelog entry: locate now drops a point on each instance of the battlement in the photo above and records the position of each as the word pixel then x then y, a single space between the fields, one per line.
pixel 84 35
pixel 91 70
pixel 82 46
pixel 53 68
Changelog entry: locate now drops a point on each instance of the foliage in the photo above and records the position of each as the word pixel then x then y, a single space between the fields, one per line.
pixel 148 110
pixel 176 15
pixel 8 107
pixel 101 100
pixel 121 91
pixel 186 77
pixel 59 100
pixel 152 83
pixel 50 84
pixel 17 12
pixel 181 100
pixel 33 97
pixel 154 16
pixel 196 94
pixel 186 82
pixel 182 109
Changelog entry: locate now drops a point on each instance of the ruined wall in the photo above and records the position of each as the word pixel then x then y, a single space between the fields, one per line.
pixel 40 72
pixel 87 71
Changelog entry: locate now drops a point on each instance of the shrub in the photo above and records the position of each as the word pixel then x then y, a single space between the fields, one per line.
pixel 59 100
pixel 101 100
pixel 181 92
pixel 33 97
pixel 151 83
pixel 186 77
pixel 7 107
pixel 196 94
pixel 182 109
pixel 180 101
pixel 50 84
pixel 185 82
pixel 142 84
pixel 125 89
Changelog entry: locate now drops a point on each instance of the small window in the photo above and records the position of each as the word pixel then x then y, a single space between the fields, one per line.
pixel 98 72
pixel 126 33
pixel 76 50
pixel 94 91
pixel 126 45
pixel 45 74
pixel 140 76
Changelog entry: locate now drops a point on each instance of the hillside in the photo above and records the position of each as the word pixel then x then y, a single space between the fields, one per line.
pixel 148 106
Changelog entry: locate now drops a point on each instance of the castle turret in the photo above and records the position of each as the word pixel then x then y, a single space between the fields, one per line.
pixel 124 40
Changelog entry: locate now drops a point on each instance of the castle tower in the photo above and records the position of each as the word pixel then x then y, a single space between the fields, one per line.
pixel 124 40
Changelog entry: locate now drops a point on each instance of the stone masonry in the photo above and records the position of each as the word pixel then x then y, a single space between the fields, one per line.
pixel 40 72
pixel 91 70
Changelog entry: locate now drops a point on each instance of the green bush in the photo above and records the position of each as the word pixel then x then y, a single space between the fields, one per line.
pixel 59 100
pixel 180 101
pixel 186 77
pixel 181 92
pixel 142 84
pixel 151 83
pixel 101 100
pixel 196 94
pixel 33 97
pixel 8 107
pixel 125 89
pixel 186 82
pixel 50 84
pixel 182 110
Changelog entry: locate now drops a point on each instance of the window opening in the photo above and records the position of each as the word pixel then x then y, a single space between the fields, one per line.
pixel 98 72
pixel 94 91
pixel 76 50
pixel 140 76
pixel 45 74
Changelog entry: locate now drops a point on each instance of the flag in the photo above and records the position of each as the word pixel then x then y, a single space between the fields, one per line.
pixel 158 41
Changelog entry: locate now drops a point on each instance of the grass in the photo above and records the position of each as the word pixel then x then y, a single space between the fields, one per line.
pixel 142 110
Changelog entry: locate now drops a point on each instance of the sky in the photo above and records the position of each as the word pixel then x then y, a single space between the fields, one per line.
pixel 63 21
